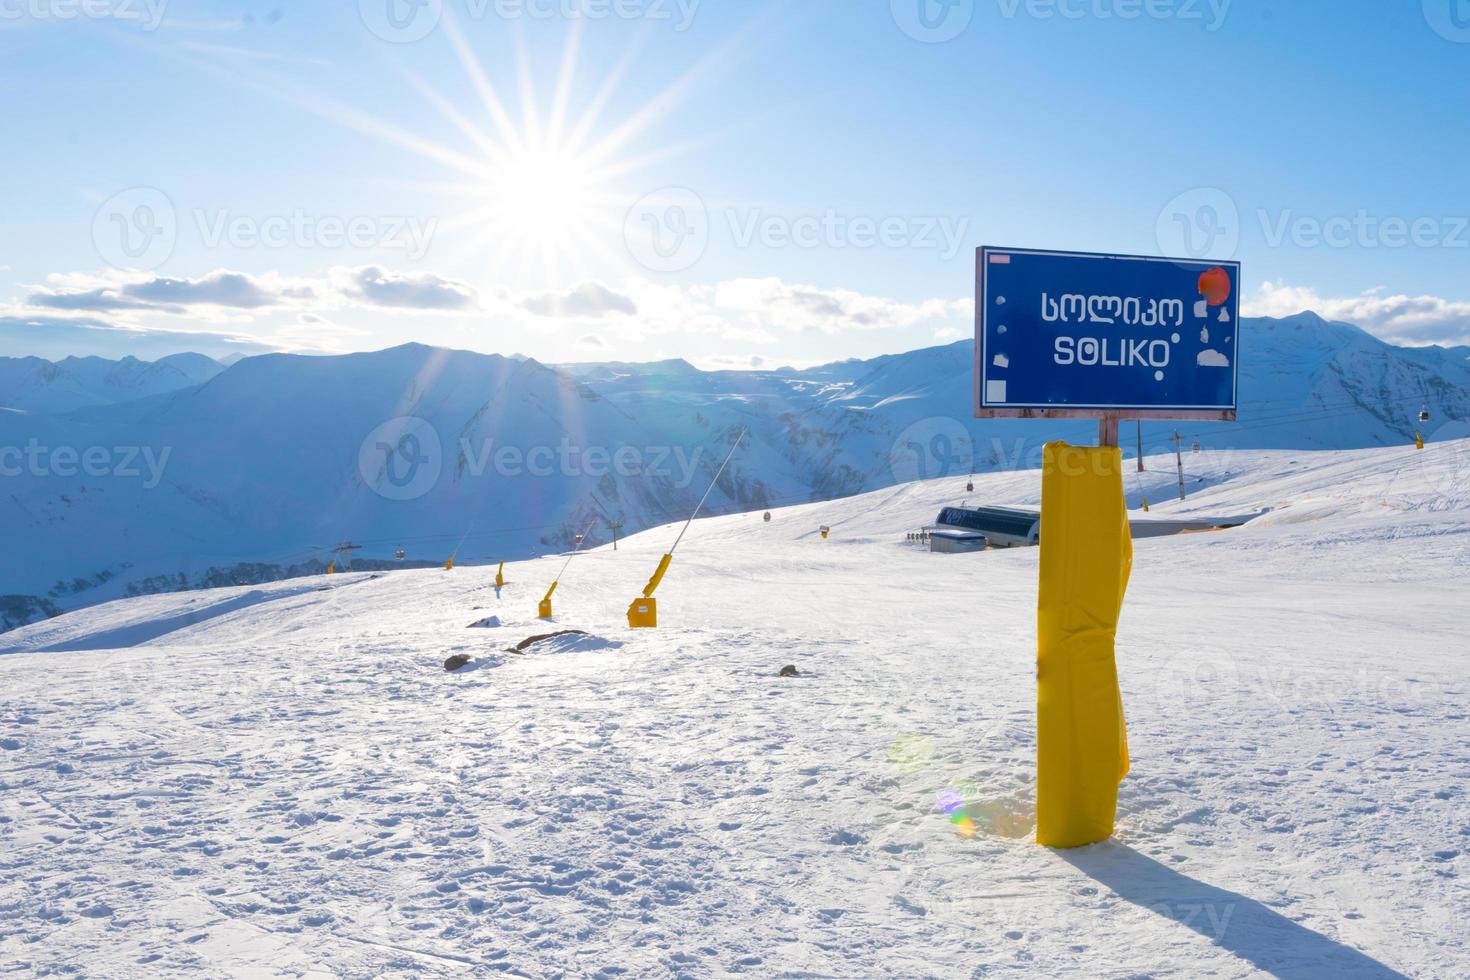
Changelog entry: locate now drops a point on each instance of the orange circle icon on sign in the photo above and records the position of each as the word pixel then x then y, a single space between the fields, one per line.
pixel 1214 286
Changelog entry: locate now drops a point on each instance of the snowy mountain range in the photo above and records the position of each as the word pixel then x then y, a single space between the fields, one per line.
pixel 124 478
pixel 32 384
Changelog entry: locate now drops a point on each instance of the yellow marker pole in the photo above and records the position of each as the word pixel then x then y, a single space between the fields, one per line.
pixel 643 611
pixel 1419 440
pixel 1086 558
pixel 332 567
pixel 449 565
pixel 500 576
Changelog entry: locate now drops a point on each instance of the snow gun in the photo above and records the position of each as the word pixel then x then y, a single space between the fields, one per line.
pixel 643 611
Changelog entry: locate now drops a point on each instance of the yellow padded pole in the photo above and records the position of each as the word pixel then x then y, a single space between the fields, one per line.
pixel 1086 558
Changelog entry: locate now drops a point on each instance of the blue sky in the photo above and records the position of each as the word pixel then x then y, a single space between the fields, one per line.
pixel 734 183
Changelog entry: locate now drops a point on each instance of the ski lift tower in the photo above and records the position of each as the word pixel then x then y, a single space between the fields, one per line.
pixel 344 552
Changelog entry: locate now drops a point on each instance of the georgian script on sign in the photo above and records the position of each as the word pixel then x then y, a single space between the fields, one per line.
pixel 1130 311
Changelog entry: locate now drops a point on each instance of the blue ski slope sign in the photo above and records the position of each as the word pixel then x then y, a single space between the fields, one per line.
pixel 1078 335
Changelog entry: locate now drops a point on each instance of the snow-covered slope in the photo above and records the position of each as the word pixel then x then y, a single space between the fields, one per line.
pixel 281 779
pixel 256 474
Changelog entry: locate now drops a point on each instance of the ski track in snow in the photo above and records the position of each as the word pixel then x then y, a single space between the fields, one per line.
pixel 293 786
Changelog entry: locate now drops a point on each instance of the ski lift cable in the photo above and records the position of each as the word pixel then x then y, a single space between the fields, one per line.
pixel 581 539
pixel 718 473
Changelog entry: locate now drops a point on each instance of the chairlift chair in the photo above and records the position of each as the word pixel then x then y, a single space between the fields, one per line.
pixel 1424 415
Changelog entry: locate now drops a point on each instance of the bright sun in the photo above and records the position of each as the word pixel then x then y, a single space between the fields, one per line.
pixel 542 196
pixel 533 194
pixel 537 193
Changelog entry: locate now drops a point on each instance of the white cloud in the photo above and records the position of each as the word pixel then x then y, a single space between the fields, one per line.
pixel 1399 319
pixel 326 312
pixel 222 288
pixel 374 286
pixel 584 300
pixel 801 307
pixel 225 289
